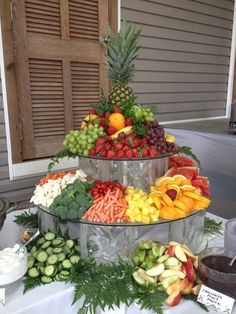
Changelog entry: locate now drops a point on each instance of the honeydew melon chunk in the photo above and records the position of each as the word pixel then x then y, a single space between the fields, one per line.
pixel 156 270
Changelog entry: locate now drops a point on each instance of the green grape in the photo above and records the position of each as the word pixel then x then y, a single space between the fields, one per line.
pixel 85 152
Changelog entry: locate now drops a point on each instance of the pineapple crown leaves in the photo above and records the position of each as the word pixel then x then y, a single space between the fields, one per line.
pixel 121 51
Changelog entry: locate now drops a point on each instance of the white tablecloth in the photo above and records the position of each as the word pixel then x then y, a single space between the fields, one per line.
pixel 56 298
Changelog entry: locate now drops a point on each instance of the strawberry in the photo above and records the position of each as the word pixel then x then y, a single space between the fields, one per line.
pixel 111 130
pixel 127 142
pixel 116 110
pixel 128 122
pixel 92 152
pixel 153 152
pixel 120 154
pixel 107 114
pixel 92 111
pixel 108 139
pixel 111 154
pixel 98 148
pixel 100 141
pixel 135 152
pixel 118 146
pixel 103 153
pixel 125 148
pixel 136 142
pixel 145 152
pixel 102 122
pixel 121 136
pixel 143 141
pixel 107 146
pixel 129 153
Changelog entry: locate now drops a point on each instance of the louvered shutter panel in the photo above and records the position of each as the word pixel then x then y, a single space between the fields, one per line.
pixel 60 68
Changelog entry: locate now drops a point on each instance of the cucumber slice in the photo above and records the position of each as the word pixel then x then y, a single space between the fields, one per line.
pixel 33 272
pixel 77 248
pixel 66 264
pixel 57 242
pixel 30 262
pixel 61 257
pixel 33 249
pixel 42 256
pixel 66 250
pixel 46 279
pixel 49 250
pixel 63 275
pixel 58 278
pixel 52 259
pixel 57 250
pixel 41 241
pixel 45 245
pixel 49 270
pixel 74 259
pixel 49 236
pixel 35 254
pixel 70 244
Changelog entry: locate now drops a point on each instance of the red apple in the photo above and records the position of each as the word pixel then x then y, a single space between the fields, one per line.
pixel 173 299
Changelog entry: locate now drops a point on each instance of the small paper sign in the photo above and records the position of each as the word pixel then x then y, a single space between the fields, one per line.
pixel 215 300
pixel 2 296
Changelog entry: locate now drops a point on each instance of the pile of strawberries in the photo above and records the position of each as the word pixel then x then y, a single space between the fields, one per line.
pixel 100 188
pixel 125 146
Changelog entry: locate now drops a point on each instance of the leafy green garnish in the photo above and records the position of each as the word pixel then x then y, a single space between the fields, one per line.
pixel 56 159
pixel 31 283
pixel 73 201
pixel 103 106
pixel 27 219
pixel 140 130
pixel 212 227
pixel 188 151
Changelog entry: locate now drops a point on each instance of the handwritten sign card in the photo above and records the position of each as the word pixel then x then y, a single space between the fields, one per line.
pixel 2 296
pixel 215 300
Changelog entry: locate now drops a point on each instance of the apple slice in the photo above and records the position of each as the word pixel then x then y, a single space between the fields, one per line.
pixel 158 250
pixel 189 270
pixel 173 299
pixel 156 270
pixel 179 285
pixel 188 289
pixel 195 290
pixel 188 252
pixel 168 281
pixel 170 251
pixel 168 273
pixel 174 243
pixel 179 253
pixel 138 279
pixel 195 263
pixel 171 261
pixel 162 259
pixel 178 267
pixel 142 273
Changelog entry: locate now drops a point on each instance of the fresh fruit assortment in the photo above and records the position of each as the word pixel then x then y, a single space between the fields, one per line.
pixel 172 267
pixel 175 197
pixel 141 207
pixel 52 258
pixel 179 164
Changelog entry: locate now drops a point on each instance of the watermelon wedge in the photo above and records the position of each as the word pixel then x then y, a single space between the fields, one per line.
pixel 189 172
pixel 180 161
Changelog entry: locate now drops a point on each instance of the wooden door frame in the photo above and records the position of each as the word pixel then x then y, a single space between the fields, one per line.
pixel 6 15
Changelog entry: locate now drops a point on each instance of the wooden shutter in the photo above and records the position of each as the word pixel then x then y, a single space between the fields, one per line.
pixel 59 66
pixel 183 64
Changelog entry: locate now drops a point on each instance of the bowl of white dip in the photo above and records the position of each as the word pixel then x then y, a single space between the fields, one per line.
pixel 13 265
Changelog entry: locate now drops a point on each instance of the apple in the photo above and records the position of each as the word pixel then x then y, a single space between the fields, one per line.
pixel 173 299
pixel 179 285
pixel 174 243
pixel 162 258
pixel 156 270
pixel 169 272
pixel 195 263
pixel 170 251
pixel 179 253
pixel 188 252
pixel 139 279
pixel 189 270
pixel 158 250
pixel 171 261
pixel 178 267
pixel 168 281
pixel 188 289
pixel 142 273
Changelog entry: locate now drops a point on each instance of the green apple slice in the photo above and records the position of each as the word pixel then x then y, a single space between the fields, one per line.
pixel 138 279
pixel 156 270
pixel 162 258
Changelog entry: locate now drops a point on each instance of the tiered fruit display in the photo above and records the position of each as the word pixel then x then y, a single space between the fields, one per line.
pixel 175 197
pixel 172 267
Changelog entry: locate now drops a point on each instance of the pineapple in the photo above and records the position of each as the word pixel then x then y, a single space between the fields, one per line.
pixel 121 52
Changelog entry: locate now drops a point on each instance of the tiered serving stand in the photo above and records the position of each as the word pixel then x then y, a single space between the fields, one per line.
pixel 109 242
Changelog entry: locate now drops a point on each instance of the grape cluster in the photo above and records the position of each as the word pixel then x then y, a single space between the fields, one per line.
pixel 148 115
pixel 80 142
pixel 156 137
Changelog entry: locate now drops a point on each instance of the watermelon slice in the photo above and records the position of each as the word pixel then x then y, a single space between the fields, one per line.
pixel 180 161
pixel 189 172
pixel 203 184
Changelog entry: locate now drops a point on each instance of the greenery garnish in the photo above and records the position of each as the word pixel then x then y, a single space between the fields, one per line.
pixel 193 298
pixel 27 219
pixel 140 129
pixel 31 283
pixel 58 157
pixel 103 106
pixel 188 151
pixel 211 227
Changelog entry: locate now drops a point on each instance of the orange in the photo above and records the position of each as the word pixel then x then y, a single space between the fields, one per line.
pixel 116 120
pixel 187 201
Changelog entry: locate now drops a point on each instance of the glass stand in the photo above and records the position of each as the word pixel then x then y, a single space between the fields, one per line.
pixel 107 243
pixel 190 231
